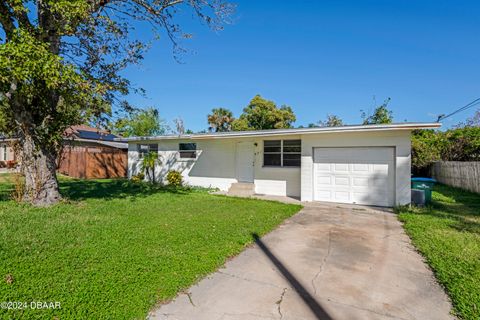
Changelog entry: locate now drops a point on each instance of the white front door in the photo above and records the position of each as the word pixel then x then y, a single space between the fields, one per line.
pixel 245 161
pixel 355 175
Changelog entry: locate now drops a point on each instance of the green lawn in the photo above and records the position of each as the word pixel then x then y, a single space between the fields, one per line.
pixel 115 249
pixel 448 235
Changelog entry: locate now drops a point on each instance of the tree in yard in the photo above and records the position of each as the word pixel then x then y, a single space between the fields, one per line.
pixel 427 147
pixel 220 120
pixel 148 165
pixel 143 122
pixel 381 114
pixel 60 64
pixel 241 124
pixel 332 121
pixel 263 114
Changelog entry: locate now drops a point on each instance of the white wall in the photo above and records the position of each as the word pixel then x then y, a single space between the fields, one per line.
pixel 9 154
pixel 278 181
pixel 399 139
pixel 215 166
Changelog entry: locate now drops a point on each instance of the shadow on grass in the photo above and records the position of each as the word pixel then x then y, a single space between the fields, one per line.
pixel 75 189
pixel 459 205
pixel 79 189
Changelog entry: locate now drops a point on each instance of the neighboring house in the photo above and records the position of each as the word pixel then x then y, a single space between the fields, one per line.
pixel 92 153
pixel 6 152
pixel 363 164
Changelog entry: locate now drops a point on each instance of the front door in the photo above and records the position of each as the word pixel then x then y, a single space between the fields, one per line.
pixel 245 161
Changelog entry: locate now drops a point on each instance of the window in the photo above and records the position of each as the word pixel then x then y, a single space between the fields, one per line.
pixel 4 147
pixel 272 153
pixel 282 153
pixel 292 150
pixel 187 150
pixel 143 149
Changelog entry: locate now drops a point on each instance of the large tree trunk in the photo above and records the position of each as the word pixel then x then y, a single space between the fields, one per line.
pixel 38 164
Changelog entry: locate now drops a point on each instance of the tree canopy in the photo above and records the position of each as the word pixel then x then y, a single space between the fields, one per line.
pixel 331 121
pixel 457 144
pixel 263 114
pixel 142 122
pixel 61 63
pixel 220 120
pixel 381 114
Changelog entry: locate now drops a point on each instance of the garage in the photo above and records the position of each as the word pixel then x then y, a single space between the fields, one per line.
pixel 357 175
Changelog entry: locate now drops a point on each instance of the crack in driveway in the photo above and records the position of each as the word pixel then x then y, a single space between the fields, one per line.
pixel 324 261
pixel 279 303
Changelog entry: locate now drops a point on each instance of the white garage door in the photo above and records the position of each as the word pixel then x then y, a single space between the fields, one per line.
pixel 354 175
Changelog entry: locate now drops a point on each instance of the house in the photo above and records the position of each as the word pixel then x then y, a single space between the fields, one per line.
pixel 7 155
pixel 92 153
pixel 361 164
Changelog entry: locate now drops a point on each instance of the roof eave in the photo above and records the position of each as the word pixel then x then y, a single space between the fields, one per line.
pixel 298 131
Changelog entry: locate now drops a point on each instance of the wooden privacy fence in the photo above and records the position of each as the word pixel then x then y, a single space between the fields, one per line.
pixel 93 162
pixel 465 175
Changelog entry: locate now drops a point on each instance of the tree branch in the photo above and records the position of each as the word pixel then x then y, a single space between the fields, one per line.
pixel 6 20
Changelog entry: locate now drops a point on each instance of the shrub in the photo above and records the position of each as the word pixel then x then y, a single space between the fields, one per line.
pixel 175 178
pixel 138 178
pixel 458 144
pixel 18 187
pixel 427 147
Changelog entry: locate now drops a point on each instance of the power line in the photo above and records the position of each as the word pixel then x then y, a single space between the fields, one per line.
pixel 465 107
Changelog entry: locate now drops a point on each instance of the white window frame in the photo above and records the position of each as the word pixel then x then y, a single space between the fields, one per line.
pixel 281 153
pixel 141 154
pixel 189 151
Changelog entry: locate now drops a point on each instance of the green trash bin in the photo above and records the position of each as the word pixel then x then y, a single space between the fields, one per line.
pixel 425 184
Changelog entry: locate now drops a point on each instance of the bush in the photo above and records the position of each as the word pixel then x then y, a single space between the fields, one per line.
pixel 459 144
pixel 175 178
pixel 18 187
pixel 138 178
pixel 427 147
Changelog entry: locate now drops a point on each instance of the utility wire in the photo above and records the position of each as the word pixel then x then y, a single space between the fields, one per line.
pixel 468 106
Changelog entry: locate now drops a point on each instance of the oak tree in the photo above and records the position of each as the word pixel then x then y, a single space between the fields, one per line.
pixel 261 114
pixel 61 63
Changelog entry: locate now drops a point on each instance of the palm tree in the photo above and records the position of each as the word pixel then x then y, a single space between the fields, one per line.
pixel 220 120
pixel 148 165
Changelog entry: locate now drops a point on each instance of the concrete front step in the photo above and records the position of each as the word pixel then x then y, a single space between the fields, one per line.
pixel 242 189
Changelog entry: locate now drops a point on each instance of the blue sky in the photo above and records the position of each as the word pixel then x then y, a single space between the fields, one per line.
pixel 322 57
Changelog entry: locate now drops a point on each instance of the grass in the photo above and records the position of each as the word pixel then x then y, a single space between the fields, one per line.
pixel 115 249
pixel 448 235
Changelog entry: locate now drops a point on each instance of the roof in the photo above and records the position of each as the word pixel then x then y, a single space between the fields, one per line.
pixel 113 144
pixel 85 133
pixel 90 133
pixel 293 131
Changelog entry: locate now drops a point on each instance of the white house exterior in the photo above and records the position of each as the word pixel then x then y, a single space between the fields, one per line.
pixel 6 152
pixel 349 164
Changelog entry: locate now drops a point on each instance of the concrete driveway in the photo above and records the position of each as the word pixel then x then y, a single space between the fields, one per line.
pixel 328 262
